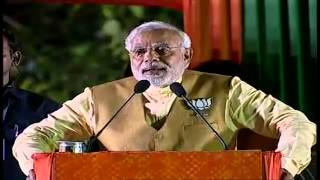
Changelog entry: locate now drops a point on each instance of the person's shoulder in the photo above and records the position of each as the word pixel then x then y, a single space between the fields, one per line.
pixel 211 79
pixel 206 75
pixel 32 97
pixel 34 100
pixel 26 94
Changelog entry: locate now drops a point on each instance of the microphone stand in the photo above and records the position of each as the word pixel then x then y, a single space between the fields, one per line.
pixel 93 143
pixel 178 89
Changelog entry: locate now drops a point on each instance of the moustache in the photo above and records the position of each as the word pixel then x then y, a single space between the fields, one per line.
pixel 154 65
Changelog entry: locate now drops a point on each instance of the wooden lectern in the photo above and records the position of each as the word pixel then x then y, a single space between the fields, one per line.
pixel 167 165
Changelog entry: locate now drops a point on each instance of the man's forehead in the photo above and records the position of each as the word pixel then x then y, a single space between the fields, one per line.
pixel 157 36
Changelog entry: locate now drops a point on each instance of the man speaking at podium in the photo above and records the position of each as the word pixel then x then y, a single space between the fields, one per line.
pixel 155 119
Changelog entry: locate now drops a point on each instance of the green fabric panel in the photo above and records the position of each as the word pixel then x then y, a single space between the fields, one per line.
pixel 279 50
pixel 277 44
pixel 252 44
pixel 312 57
pixel 301 55
pixel 271 66
pixel 297 51
pixel 283 50
pixel 313 28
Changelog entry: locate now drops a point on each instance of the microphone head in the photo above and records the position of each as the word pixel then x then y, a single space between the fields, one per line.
pixel 178 89
pixel 141 86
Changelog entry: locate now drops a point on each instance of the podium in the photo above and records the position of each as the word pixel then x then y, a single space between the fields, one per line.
pixel 167 165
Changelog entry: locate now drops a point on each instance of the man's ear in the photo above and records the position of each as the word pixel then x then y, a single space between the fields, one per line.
pixel 188 55
pixel 16 58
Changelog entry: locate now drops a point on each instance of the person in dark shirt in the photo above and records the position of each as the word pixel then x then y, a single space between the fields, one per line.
pixel 20 108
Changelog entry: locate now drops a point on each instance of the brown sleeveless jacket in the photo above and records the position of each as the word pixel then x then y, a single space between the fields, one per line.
pixel 182 131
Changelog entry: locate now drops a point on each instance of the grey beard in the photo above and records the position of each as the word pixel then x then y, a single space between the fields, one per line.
pixel 157 82
pixel 171 77
pixel 162 82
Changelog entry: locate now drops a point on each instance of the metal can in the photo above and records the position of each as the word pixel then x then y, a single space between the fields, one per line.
pixel 79 147
pixel 65 146
pixel 72 146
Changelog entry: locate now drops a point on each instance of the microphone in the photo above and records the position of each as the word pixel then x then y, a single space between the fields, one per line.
pixel 93 143
pixel 181 92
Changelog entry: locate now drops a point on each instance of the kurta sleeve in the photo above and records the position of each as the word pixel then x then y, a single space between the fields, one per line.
pixel 73 121
pixel 265 115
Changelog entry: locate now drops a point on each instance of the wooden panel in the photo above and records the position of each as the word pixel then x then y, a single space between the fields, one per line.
pixel 150 165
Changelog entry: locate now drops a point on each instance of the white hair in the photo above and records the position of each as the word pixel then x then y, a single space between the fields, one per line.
pixel 156 25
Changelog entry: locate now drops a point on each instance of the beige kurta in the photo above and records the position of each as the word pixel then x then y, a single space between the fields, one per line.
pixel 234 105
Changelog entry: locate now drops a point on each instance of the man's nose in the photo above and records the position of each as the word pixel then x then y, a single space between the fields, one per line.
pixel 151 55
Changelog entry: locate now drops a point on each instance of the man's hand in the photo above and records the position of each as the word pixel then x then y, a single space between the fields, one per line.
pixel 285 175
pixel 31 175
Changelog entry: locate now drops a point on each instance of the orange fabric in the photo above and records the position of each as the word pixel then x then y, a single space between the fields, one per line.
pixel 236 30
pixel 220 29
pixel 226 29
pixel 43 165
pixel 154 165
pixel 272 164
pixel 215 28
pixel 197 26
